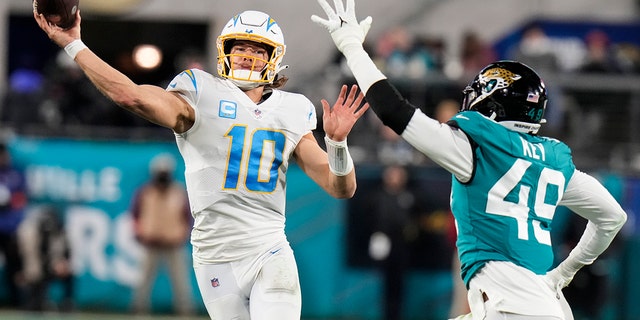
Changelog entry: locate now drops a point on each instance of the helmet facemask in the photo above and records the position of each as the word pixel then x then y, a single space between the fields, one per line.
pixel 258 28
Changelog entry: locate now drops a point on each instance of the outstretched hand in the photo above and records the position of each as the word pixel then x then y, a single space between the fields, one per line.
pixel 340 119
pixel 61 37
pixel 342 24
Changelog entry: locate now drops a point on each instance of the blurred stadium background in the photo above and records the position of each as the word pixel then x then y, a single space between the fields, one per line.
pixel 85 157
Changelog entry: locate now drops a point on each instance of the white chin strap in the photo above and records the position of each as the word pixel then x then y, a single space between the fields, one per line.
pixel 250 78
pixel 248 75
pixel 244 84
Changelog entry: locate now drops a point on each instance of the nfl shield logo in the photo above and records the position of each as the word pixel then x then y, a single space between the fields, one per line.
pixel 214 282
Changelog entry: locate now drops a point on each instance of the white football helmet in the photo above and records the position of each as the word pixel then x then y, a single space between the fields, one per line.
pixel 253 26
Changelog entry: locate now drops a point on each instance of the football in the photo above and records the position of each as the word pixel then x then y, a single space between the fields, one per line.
pixel 59 12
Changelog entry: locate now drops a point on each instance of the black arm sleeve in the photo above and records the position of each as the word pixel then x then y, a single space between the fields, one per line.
pixel 391 107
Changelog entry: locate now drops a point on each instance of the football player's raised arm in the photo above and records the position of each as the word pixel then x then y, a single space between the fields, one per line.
pixel 333 170
pixel 313 161
pixel 446 146
pixel 150 102
pixel 147 101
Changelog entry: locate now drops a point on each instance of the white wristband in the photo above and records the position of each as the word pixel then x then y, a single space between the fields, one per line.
pixel 74 47
pixel 340 161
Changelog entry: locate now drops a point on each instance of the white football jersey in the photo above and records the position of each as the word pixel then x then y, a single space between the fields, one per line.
pixel 236 158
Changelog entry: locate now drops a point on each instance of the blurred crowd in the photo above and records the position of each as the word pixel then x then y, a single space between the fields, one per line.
pixel 33 244
pixel 432 78
pixel 36 253
pixel 59 98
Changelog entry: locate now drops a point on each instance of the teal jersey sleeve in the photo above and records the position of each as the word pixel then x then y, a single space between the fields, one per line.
pixel 504 212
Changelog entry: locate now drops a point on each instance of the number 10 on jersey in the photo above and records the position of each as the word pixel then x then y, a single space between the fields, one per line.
pixel 264 150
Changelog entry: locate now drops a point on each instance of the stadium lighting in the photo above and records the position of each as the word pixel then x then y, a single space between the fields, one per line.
pixel 147 56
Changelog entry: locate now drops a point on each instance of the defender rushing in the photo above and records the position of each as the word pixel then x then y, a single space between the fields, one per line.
pixel 507 180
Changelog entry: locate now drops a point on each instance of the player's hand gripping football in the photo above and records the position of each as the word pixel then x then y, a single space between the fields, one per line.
pixel 59 36
pixel 343 26
pixel 337 121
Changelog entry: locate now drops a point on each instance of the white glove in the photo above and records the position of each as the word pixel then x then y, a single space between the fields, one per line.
pixel 343 26
pixel 559 278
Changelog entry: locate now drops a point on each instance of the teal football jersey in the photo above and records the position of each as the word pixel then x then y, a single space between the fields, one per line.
pixel 504 212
